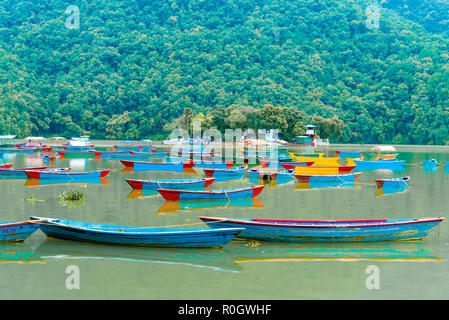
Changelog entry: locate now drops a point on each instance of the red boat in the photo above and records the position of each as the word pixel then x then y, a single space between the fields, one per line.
pixel 6 165
pixel 228 194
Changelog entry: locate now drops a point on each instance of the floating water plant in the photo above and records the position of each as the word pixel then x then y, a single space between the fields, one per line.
pixel 72 199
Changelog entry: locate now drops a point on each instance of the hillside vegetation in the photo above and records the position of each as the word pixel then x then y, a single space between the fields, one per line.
pixel 134 66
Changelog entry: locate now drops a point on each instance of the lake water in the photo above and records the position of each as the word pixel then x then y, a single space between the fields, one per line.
pixel 242 269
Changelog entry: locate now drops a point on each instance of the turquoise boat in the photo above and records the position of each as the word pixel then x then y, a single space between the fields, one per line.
pixel 349 154
pixel 17 230
pixel 403 181
pixel 123 235
pixel 230 194
pixel 170 184
pixel 213 172
pixel 328 230
pixel 379 164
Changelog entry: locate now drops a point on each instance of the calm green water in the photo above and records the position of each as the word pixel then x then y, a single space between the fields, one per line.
pixel 241 270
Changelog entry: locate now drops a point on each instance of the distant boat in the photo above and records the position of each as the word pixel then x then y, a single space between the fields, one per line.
pixel 41 174
pixel 155 166
pixel 324 170
pixel 18 171
pixel 170 184
pixel 17 230
pixel 230 194
pixel 214 164
pixel 403 181
pixel 328 230
pixel 347 154
pixel 216 172
pixel 346 177
pixel 6 165
pixel 262 174
pixel 430 163
pixel 123 235
pixel 80 154
pixel 380 164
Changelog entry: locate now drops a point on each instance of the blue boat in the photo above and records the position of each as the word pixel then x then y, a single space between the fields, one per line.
pixel 229 194
pixel 18 172
pixel 154 166
pixel 213 172
pixel 17 230
pixel 123 235
pixel 66 175
pixel 403 181
pixel 170 184
pixel 214 164
pixel 328 230
pixel 348 154
pixel 379 164
pixel 341 178
pixel 430 163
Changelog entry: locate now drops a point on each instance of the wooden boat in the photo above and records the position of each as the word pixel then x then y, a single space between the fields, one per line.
pixel 18 171
pixel 215 172
pixel 21 150
pixel 403 181
pixel 17 230
pixel 78 148
pixel 214 164
pixel 272 175
pixel 80 154
pixel 430 163
pixel 154 166
pixel 6 165
pixel 34 148
pixel 291 165
pixel 379 164
pixel 170 184
pixel 47 174
pixel 123 235
pixel 325 170
pixel 346 177
pixel 348 154
pixel 230 194
pixel 128 148
pixel 385 156
pixel 318 161
pixel 328 230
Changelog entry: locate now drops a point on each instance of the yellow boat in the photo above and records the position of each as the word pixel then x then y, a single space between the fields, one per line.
pixel 385 157
pixel 317 161
pixel 350 161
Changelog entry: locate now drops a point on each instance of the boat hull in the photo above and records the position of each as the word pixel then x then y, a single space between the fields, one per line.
pixel 397 182
pixel 328 231
pixel 225 172
pixel 67 175
pixel 121 235
pixel 380 164
pixel 153 166
pixel 240 193
pixel 16 231
pixel 170 184
pixel 337 178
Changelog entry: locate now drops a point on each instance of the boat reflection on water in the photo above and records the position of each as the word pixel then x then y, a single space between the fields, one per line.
pixel 430 169
pixel 179 206
pixel 247 251
pixel 280 180
pixel 327 185
pixel 76 164
pixel 142 194
pixel 387 190
pixel 62 182
pixel 18 253
pixel 215 259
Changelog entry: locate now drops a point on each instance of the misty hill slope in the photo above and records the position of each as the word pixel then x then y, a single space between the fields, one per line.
pixel 133 66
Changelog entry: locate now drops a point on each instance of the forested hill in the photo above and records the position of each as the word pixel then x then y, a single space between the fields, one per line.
pixel 134 66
